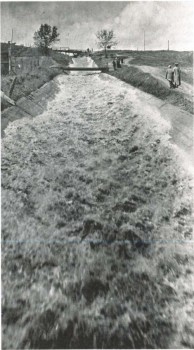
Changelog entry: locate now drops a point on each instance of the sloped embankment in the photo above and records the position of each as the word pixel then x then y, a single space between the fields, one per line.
pixel 146 82
pixel 96 210
pixel 30 106
pixel 32 90
pixel 32 79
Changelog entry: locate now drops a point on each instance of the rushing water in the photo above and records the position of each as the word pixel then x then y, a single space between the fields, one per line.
pixel 96 161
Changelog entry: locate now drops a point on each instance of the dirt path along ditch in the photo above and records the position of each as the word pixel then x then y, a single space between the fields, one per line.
pixel 97 248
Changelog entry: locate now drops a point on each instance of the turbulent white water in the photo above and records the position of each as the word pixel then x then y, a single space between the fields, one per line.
pixel 83 62
pixel 99 143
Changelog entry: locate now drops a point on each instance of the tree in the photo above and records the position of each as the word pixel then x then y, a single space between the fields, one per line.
pixel 45 37
pixel 106 39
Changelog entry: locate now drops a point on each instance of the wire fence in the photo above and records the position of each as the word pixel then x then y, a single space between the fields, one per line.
pixel 24 64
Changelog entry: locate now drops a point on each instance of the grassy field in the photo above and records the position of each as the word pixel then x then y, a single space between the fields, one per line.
pixel 154 58
pixel 146 81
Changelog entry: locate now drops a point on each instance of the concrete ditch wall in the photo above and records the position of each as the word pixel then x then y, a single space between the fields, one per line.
pixel 30 106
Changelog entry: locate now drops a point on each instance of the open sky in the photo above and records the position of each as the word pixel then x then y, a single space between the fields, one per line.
pixel 78 22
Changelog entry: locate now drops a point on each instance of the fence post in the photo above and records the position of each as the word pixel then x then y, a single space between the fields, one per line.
pixel 15 64
pixel 12 86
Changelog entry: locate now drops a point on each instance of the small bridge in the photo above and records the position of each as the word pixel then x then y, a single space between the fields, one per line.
pixel 68 50
pixel 102 69
pixel 90 69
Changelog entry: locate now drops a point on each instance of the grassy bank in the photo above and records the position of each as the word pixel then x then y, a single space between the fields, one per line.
pixel 148 83
pixel 32 78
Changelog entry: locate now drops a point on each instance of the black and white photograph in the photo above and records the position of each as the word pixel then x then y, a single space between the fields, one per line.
pixel 97 174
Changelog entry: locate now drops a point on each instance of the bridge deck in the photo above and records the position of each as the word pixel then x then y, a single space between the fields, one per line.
pixel 69 51
pixel 102 69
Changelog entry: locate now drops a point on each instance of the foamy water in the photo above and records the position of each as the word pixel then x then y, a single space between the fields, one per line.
pixel 99 143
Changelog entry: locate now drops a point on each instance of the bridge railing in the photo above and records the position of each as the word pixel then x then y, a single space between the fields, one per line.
pixel 68 50
pixel 64 48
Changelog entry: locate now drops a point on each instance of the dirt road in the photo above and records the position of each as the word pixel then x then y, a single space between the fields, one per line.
pixel 160 73
pixel 96 169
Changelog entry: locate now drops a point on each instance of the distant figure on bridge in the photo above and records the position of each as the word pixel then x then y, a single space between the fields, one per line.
pixel 169 76
pixel 114 64
pixel 177 75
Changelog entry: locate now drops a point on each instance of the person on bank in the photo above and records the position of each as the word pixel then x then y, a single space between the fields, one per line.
pixel 177 75
pixel 114 64
pixel 170 76
pixel 118 62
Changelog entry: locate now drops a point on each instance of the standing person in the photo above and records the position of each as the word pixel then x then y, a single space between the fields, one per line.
pixel 177 75
pixel 114 64
pixel 169 76
pixel 118 63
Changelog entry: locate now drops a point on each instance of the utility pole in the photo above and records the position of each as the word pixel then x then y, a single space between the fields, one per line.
pixel 9 56
pixel 144 40
pixel 9 51
pixel 168 45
